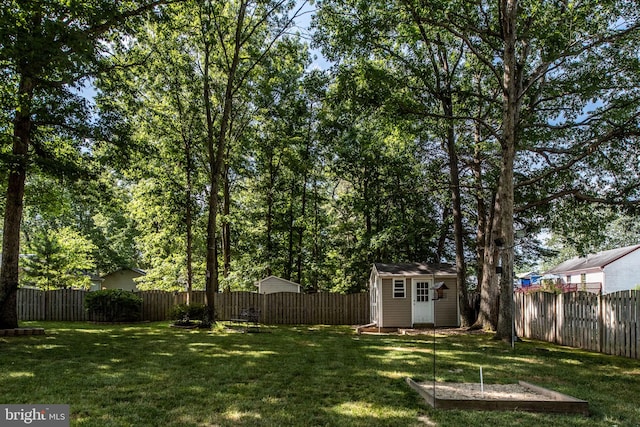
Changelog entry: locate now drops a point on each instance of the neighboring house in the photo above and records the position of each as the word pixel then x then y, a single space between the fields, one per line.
pixel 410 295
pixel 609 271
pixel 96 282
pixel 273 284
pixel 122 279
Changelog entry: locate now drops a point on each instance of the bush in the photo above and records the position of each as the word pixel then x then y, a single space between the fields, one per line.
pixel 191 312
pixel 113 305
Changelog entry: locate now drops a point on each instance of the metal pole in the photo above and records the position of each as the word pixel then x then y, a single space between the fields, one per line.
pixel 434 348
pixel 513 317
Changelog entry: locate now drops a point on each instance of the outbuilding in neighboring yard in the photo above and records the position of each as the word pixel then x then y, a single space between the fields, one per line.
pixel 413 295
pixel 122 279
pixel 273 284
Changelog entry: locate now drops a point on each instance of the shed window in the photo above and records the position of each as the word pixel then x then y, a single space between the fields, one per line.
pixel 422 291
pixel 399 288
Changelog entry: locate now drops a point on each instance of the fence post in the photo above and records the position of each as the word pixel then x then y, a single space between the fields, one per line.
pixel 555 318
pixel 600 324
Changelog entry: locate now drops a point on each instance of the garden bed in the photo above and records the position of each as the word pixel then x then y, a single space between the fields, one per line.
pixel 498 397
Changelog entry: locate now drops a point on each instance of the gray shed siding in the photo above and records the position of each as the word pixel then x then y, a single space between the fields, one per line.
pixel 447 308
pixel 396 311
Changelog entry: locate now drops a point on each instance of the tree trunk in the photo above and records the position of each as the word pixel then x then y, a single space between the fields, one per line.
pixel 486 256
pixel 189 221
pixel 226 224
pixel 211 256
pixel 301 227
pixel 188 195
pixel 14 206
pixel 444 232
pixel 289 267
pixel 505 197
pixel 466 314
pixel 269 219
pixel 216 159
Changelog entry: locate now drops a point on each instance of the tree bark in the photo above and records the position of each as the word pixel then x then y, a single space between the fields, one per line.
pixel 505 199
pixel 14 206
pixel 216 158
pixel 189 220
pixel 484 313
pixel 466 314
pixel 226 224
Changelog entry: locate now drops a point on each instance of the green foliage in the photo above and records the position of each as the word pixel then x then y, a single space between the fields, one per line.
pixel 113 305
pixel 58 259
pixel 188 311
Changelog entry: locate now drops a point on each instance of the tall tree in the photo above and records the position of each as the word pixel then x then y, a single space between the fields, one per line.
pixel 159 94
pixel 242 33
pixel 49 47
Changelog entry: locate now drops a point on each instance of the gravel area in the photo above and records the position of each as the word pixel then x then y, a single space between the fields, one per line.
pixel 460 391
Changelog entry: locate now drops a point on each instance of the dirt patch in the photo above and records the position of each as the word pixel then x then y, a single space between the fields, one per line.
pixel 522 396
pixel 488 392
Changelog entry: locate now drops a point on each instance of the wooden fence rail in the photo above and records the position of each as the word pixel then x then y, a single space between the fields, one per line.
pixel 607 324
pixel 279 308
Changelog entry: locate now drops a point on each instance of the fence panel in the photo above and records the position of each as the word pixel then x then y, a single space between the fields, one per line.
pixel 280 308
pixel 65 304
pixel 539 316
pixel 31 304
pixel 578 319
pixel 608 324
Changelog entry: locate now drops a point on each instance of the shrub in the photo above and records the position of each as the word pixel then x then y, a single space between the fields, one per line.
pixel 113 305
pixel 191 311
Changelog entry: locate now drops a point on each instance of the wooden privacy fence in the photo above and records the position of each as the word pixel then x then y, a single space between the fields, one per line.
pixel 607 324
pixel 280 308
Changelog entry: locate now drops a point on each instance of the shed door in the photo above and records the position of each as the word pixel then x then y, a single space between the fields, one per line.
pixel 422 303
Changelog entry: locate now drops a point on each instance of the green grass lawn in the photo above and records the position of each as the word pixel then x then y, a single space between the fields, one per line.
pixel 153 375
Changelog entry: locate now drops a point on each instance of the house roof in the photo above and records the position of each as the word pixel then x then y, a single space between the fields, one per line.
pixel 599 260
pixel 259 282
pixel 135 270
pixel 414 269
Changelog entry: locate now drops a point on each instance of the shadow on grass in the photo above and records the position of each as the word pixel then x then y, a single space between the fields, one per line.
pixel 151 375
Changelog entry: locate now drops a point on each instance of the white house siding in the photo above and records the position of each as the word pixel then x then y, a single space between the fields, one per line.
pixel 591 276
pixel 622 274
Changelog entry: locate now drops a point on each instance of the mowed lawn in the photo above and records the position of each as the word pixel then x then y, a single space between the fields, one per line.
pixel 154 375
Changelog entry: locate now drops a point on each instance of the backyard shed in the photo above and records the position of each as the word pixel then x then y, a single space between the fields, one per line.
pixel 122 279
pixel 414 294
pixel 273 284
pixel 608 271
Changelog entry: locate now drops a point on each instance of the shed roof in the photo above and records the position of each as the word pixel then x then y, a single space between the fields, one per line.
pixel 138 271
pixel 414 269
pixel 599 260
pixel 280 279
